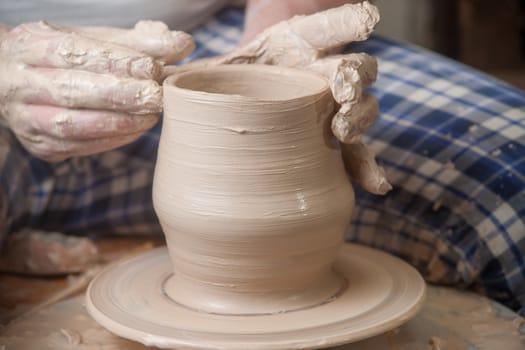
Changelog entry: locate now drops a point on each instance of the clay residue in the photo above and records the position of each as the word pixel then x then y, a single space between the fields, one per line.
pixel 47 253
pixel 74 51
pixel 434 343
pixel 63 326
pixel 464 320
pixel 361 164
pixel 151 37
pixel 453 320
pixel 72 337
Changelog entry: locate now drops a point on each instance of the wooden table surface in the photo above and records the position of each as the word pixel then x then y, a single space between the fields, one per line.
pixel 450 319
pixel 19 293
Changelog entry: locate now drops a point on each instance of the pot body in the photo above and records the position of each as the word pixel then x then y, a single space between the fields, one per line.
pixel 250 190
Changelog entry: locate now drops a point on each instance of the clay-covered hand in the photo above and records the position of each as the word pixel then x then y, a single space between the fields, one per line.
pixel 306 42
pixel 76 91
pixel 261 14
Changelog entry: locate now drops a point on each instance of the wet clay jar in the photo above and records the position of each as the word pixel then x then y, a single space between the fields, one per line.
pixel 250 190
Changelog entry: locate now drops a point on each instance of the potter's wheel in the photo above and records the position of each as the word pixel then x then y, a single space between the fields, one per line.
pixel 383 292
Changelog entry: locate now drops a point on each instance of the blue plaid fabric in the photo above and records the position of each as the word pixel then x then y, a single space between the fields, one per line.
pixel 451 139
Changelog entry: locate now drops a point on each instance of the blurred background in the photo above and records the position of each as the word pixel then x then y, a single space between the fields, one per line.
pixel 486 34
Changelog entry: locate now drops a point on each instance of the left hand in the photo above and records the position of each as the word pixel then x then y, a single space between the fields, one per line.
pixel 74 91
pixel 305 42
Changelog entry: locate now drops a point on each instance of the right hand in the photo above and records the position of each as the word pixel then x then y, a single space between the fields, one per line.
pixel 306 42
pixel 65 93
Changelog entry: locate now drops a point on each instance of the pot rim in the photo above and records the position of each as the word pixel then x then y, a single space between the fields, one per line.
pixel 314 85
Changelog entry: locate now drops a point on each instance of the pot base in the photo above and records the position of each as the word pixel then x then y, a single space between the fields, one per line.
pixel 219 302
pixel 382 292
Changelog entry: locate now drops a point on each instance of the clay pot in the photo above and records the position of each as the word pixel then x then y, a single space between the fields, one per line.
pixel 250 190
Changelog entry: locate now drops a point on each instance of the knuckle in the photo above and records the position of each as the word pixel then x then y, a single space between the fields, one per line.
pixel 145 67
pixel 147 98
pixel 66 86
pixel 61 125
pixel 70 51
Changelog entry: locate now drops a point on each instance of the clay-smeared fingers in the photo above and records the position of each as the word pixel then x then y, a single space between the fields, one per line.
pixel 348 74
pixel 80 124
pixel 54 133
pixel 352 120
pixel 337 26
pixel 150 37
pixel 80 89
pixel 43 45
pixel 361 164
pixel 302 40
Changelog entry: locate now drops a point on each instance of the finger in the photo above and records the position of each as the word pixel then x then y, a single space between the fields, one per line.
pixel 150 37
pixel 353 119
pixel 348 74
pixel 337 26
pixel 360 163
pixel 79 89
pixel 43 45
pixel 81 124
pixel 54 149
